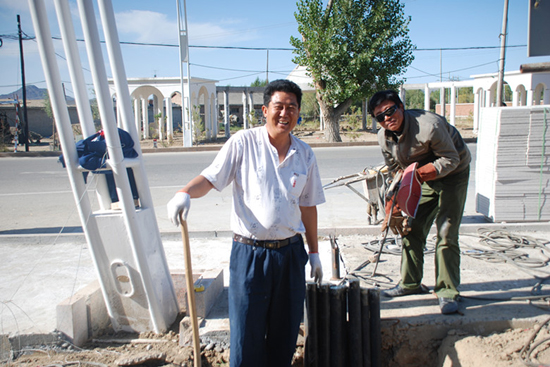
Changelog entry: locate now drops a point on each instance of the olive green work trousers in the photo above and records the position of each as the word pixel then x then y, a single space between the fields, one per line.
pixel 442 200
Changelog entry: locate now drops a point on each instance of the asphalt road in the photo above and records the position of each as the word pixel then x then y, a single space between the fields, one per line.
pixel 36 197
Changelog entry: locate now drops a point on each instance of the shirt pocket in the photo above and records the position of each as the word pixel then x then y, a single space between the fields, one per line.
pixel 297 184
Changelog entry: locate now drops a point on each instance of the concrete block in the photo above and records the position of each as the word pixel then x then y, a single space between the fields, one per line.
pixel 72 319
pixel 84 315
pixel 212 280
pixel 5 349
pixel 180 286
pixel 98 317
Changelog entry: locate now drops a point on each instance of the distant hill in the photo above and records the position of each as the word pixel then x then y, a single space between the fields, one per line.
pixel 33 93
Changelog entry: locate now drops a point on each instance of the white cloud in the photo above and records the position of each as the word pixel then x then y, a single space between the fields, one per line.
pixel 217 34
pixel 18 6
pixel 146 26
pixel 154 27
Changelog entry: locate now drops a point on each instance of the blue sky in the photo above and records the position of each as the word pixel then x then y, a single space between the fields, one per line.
pixel 435 24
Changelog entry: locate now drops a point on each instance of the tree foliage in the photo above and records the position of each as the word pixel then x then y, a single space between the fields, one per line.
pixel 258 83
pixel 351 49
pixel 414 99
pixel 310 106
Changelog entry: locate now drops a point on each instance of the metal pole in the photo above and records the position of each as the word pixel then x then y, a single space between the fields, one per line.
pixel 186 115
pixel 335 259
pixel 338 335
pixel 62 120
pixel 267 69
pixel 354 323
pixel 118 166
pixel 75 70
pixel 365 326
pixel 500 85
pixel 227 122
pixel 323 329
pixel 440 65
pixel 311 354
pixel 375 328
pixel 26 121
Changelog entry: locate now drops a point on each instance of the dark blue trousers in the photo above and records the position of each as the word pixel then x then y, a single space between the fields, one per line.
pixel 266 303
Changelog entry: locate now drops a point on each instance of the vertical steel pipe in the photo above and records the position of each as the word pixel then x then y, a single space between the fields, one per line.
pixel 75 67
pixel 335 259
pixel 63 123
pixel 311 355
pixel 365 326
pixel 335 263
pixel 355 355
pixel 338 337
pixel 375 327
pixel 323 327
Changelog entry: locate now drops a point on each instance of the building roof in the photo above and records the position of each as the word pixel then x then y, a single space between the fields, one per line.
pixel 300 76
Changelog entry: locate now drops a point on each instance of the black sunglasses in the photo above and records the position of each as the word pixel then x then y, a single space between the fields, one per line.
pixel 382 116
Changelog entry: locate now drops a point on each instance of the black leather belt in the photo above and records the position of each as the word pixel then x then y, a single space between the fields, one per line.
pixel 272 245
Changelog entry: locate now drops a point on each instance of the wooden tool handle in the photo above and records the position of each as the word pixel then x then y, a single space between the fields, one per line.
pixel 190 291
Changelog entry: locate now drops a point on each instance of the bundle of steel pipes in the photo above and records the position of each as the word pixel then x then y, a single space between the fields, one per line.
pixel 342 325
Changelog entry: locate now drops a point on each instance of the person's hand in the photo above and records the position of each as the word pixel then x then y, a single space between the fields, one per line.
pixel 426 173
pixel 180 203
pixel 398 224
pixel 316 268
pixel 395 220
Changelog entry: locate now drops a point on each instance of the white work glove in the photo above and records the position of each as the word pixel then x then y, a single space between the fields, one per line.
pixel 180 203
pixel 316 268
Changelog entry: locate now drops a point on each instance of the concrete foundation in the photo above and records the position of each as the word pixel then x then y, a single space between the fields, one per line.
pixel 84 315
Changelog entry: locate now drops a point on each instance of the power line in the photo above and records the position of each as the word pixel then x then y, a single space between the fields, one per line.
pixel 465 48
pixel 255 72
pixel 244 71
pixel 451 71
pixel 8 36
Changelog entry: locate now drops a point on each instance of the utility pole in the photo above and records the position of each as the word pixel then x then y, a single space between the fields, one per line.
pixel 26 121
pixel 267 69
pixel 187 116
pixel 500 85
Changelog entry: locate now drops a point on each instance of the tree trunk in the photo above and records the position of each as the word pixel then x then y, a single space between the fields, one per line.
pixel 332 126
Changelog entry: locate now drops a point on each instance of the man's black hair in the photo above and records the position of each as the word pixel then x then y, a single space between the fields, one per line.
pixel 379 97
pixel 282 85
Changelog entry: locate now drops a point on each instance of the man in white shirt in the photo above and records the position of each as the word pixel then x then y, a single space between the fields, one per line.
pixel 276 188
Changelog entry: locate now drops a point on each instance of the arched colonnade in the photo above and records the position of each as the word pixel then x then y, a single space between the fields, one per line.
pixel 165 95
pixel 528 89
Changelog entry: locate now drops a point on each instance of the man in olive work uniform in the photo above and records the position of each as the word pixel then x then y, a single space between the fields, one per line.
pixel 406 137
pixel 276 188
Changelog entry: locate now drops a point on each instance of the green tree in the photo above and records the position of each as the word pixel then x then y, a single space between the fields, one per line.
pixel 414 99
pixel 258 83
pixel 310 106
pixel 465 95
pixel 351 49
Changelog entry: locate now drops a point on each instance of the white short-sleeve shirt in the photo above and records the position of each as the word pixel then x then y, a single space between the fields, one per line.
pixel 266 195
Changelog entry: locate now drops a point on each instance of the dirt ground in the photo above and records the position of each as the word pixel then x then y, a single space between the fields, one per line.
pixel 511 348
pixel 146 349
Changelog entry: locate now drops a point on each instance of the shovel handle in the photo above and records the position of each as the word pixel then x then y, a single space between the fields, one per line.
pixel 190 292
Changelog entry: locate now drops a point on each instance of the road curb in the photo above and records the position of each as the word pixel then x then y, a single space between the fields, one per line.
pixel 374 230
pixel 202 148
